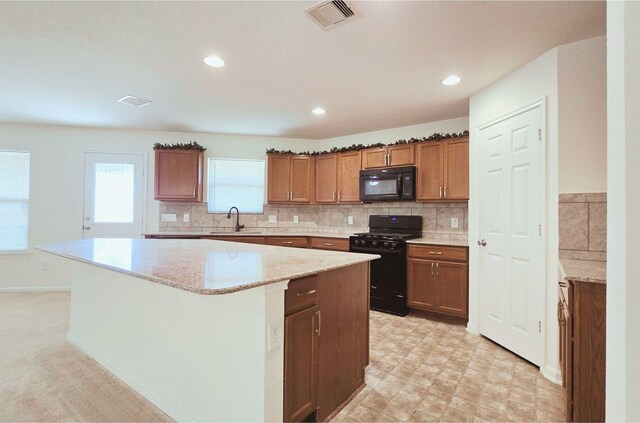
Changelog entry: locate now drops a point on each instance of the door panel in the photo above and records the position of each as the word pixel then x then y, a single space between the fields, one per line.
pixel 401 155
pixel 429 171
pixel 374 157
pixel 326 178
pixel 512 277
pixel 451 292
pixel 348 177
pixel 279 178
pixel 422 284
pixel 301 179
pixel 113 195
pixel 457 172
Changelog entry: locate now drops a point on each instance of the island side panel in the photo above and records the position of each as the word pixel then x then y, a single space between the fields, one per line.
pixel 196 357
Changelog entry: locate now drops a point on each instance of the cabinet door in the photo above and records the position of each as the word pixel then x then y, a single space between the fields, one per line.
pixel 326 178
pixel 451 288
pixel 374 157
pixel 421 284
pixel 401 155
pixel 349 177
pixel 429 171
pixel 178 175
pixel 301 179
pixel 300 364
pixel 288 241
pixel 279 178
pixel 456 175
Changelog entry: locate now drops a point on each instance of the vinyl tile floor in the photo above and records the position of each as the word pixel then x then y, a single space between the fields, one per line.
pixel 427 371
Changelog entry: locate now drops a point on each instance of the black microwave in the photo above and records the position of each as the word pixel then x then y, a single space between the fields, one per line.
pixel 388 184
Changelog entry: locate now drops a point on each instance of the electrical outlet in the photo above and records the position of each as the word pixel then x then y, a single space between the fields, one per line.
pixel 273 218
pixel 185 217
pixel 169 217
pixel 296 219
pixel 454 222
pixel 276 334
pixel 350 220
pixel 44 266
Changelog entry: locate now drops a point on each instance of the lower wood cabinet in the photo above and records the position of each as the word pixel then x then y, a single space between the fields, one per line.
pixel 288 241
pixel 437 279
pixel 322 243
pixel 245 239
pixel 581 320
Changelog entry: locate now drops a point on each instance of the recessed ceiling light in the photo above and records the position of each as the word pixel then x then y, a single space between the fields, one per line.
pixel 134 101
pixel 451 80
pixel 318 111
pixel 214 61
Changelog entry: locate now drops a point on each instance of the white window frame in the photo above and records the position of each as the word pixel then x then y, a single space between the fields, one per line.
pixel 210 188
pixel 27 201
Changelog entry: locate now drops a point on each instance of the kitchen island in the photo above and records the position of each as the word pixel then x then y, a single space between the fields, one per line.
pixel 198 326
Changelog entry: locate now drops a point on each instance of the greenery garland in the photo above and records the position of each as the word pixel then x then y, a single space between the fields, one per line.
pixel 179 146
pixel 357 147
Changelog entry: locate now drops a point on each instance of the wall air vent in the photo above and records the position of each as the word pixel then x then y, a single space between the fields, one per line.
pixel 134 101
pixel 330 13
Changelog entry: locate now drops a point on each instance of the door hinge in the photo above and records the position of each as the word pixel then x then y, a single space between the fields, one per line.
pixel 539 229
pixel 539 134
pixel 539 326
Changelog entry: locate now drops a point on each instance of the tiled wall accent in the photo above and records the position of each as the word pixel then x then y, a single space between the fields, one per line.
pixel 583 226
pixel 436 217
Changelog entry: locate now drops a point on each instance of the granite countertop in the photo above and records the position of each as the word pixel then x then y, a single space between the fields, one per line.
pixel 204 266
pixel 584 270
pixel 433 240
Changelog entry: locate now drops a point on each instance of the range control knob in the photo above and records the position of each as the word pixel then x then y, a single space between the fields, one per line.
pixel 356 241
pixel 363 242
pixel 374 243
pixel 394 244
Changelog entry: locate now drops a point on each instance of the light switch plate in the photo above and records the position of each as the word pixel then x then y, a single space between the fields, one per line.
pixel 454 222
pixel 169 217
pixel 185 217
pixel 273 218
pixel 276 334
pixel 296 219
pixel 350 220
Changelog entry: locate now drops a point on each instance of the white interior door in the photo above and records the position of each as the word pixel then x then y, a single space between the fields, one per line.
pixel 113 195
pixel 512 277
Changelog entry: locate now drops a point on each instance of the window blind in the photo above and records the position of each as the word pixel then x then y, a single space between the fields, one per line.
pixel 14 200
pixel 235 182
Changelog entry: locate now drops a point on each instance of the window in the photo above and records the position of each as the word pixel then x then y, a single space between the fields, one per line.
pixel 234 182
pixel 14 200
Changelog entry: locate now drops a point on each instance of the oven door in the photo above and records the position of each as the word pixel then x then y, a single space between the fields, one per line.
pixel 380 187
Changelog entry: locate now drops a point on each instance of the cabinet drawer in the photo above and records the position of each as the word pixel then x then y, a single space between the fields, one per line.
pixel 245 239
pixel 288 241
pixel 438 252
pixel 300 294
pixel 337 244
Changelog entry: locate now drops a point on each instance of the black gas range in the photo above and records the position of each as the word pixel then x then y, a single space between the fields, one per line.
pixel 388 237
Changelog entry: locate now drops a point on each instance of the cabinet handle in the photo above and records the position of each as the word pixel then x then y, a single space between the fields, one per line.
pixel 339 195
pixel 328 244
pixel 441 192
pixel 333 198
pixel 194 193
pixel 437 269
pixel 309 292
pixel 287 242
pixel 319 322
pixel 437 253
pixel 432 268
pixel 445 192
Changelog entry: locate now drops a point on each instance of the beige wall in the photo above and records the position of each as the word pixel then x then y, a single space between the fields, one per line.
pixel 582 111
pixel 56 205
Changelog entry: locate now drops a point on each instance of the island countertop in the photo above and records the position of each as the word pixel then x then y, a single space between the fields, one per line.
pixel 203 266
pixel 584 270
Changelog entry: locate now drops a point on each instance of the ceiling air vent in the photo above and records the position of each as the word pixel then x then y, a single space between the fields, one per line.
pixel 330 13
pixel 134 101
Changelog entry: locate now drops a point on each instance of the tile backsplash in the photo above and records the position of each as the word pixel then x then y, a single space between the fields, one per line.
pixel 583 226
pixel 436 218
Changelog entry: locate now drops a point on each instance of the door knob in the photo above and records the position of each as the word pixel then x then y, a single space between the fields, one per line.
pixel 482 242
pixel 86 228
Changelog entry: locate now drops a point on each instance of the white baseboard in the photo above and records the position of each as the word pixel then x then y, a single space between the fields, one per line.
pixel 472 328
pixel 552 374
pixel 35 289
pixel 163 404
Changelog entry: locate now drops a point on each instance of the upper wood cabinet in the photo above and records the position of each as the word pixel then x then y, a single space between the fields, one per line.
pixel 393 155
pixel 337 177
pixel 178 175
pixel 290 178
pixel 442 170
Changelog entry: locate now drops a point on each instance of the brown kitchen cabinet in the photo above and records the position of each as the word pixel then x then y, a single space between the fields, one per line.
pixel 178 175
pixel 437 279
pixel 335 244
pixel 442 170
pixel 290 178
pixel 389 156
pixel 288 241
pixel 581 320
pixel 337 177
pixel 237 238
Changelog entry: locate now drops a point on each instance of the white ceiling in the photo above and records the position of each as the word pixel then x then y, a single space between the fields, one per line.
pixel 68 62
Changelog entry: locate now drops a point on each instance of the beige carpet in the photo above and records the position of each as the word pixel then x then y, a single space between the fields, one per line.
pixel 43 378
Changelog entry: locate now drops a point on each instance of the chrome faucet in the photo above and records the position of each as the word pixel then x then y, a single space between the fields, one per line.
pixel 238 225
